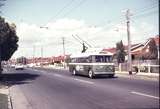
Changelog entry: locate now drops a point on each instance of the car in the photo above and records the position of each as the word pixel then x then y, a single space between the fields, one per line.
pixel 19 67
pixel 12 66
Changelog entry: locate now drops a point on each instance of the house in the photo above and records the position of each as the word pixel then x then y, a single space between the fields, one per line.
pixel 137 50
pixel 141 51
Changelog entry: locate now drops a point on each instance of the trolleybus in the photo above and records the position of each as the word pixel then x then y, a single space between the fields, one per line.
pixel 92 64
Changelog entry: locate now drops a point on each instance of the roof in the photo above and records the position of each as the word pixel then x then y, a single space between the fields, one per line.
pixel 112 50
pixel 144 44
pixel 157 40
pixel 87 54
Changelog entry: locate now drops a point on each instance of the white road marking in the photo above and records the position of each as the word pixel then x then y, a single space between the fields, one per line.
pixel 84 81
pixel 142 94
pixel 61 76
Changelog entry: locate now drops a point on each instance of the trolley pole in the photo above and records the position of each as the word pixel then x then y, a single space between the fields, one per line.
pixel 129 42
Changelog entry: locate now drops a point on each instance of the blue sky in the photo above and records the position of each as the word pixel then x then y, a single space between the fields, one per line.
pixel 93 20
pixel 93 11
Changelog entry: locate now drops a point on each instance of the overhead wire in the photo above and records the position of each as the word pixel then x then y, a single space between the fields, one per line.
pixel 147 10
pixel 62 9
pixel 74 8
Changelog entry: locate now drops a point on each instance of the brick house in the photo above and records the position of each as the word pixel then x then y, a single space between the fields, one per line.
pixel 142 50
pixel 137 50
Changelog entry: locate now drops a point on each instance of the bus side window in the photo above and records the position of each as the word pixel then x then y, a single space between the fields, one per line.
pixel 89 59
pixel 73 60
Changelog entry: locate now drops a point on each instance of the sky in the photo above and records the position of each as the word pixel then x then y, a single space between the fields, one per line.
pixel 102 23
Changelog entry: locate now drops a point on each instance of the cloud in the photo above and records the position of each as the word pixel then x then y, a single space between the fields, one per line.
pixel 33 38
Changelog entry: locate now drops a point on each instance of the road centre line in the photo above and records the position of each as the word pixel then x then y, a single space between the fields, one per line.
pixel 58 75
pixel 80 80
pixel 142 94
pixel 84 81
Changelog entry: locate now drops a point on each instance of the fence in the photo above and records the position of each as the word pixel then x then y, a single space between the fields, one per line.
pixel 147 66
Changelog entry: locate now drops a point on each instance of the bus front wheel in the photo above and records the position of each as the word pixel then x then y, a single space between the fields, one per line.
pixel 111 75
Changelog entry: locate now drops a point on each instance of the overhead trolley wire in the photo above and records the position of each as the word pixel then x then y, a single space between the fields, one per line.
pixel 74 8
pixel 61 10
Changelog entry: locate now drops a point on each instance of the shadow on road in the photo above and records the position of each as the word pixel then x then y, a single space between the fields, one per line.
pixel 105 77
pixel 17 78
pixel 99 76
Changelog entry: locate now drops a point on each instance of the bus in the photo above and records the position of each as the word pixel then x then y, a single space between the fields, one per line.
pixel 92 64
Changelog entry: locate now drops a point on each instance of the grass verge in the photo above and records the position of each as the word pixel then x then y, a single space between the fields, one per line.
pixel 3 101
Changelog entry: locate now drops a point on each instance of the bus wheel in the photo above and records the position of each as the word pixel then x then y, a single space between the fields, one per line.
pixel 74 72
pixel 90 74
pixel 111 75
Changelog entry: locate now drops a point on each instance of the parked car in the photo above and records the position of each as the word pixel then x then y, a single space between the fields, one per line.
pixel 12 66
pixel 19 67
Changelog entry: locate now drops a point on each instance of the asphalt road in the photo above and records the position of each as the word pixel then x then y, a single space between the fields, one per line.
pixel 58 89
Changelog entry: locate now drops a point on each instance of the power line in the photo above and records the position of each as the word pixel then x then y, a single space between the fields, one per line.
pixel 146 7
pixel 146 11
pixel 62 9
pixel 139 11
pixel 77 39
pixel 83 41
pixel 74 8
pixel 145 14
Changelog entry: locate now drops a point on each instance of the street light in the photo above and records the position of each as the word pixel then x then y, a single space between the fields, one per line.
pixel 44 27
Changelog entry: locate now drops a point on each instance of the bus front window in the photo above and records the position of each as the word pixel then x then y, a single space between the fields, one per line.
pixel 103 59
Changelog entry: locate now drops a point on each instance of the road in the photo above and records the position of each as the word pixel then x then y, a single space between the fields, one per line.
pixel 57 89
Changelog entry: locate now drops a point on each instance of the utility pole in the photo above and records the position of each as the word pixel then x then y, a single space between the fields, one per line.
pixel 42 55
pixel 129 42
pixel 41 51
pixel 34 54
pixel 63 42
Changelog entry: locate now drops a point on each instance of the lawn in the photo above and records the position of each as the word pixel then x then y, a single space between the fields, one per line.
pixel 3 101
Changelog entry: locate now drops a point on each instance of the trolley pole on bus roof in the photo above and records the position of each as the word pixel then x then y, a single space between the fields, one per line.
pixel 129 42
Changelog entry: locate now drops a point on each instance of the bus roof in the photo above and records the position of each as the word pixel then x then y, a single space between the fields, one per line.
pixel 90 54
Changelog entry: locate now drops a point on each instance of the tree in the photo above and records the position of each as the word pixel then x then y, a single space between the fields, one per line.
pixel 120 53
pixel 8 40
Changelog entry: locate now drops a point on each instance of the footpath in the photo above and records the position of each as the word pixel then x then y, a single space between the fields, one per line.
pixel 4 97
pixel 139 75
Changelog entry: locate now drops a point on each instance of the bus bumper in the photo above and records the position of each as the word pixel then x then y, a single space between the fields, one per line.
pixel 103 73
